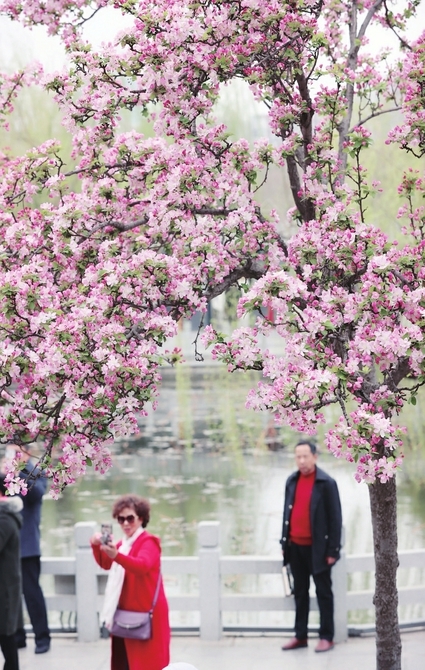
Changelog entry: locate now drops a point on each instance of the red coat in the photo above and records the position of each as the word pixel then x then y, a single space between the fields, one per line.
pixel 142 567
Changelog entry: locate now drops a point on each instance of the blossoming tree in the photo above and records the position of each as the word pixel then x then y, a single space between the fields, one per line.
pixel 93 280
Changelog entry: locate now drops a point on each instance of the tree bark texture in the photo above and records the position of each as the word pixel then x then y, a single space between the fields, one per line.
pixel 383 505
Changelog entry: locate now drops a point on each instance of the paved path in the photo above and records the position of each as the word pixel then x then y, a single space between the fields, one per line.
pixel 230 653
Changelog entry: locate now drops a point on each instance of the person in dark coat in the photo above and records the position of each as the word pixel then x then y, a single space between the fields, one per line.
pixel 311 540
pixel 10 575
pixel 30 556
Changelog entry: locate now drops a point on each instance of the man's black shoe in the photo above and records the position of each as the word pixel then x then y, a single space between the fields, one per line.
pixel 21 644
pixel 42 647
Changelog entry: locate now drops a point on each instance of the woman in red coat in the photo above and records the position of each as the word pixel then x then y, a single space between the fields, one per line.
pixel 134 566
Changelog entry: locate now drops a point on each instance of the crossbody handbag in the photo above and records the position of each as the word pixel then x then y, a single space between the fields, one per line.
pixel 135 625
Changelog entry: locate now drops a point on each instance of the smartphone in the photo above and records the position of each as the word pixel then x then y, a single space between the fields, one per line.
pixel 106 531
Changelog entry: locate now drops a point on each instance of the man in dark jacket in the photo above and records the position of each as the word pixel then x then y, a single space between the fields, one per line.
pixel 10 575
pixel 30 558
pixel 311 538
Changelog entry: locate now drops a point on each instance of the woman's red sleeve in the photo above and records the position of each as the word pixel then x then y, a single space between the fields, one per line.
pixel 147 558
pixel 100 557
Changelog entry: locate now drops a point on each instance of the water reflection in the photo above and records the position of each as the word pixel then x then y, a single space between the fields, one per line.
pixel 245 494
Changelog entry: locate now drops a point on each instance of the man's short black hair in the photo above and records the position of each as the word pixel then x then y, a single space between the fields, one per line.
pixel 311 444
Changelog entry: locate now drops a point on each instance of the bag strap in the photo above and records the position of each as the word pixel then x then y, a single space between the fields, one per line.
pixel 155 598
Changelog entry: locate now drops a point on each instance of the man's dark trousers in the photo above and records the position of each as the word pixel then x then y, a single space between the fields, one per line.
pixel 34 598
pixel 301 568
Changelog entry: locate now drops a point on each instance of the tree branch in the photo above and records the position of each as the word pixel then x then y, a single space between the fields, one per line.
pixel 355 44
pixel 304 207
pixel 251 270
pixel 118 225
pixel 375 115
pixel 400 371
pixel 403 42
pixel 368 18
pixel 210 211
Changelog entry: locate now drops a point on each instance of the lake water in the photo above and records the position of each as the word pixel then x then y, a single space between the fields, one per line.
pixel 202 456
pixel 244 492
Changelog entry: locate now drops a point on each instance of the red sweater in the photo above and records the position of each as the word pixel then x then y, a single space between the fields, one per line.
pixel 300 524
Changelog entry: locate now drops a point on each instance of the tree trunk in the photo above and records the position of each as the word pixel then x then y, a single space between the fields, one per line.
pixel 383 505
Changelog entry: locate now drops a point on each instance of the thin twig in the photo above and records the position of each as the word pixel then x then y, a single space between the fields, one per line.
pixel 198 356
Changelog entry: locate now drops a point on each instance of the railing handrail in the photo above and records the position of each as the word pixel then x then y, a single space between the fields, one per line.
pixel 77 581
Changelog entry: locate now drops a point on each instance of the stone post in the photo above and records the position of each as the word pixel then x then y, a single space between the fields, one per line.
pixel 86 583
pixel 339 586
pixel 209 580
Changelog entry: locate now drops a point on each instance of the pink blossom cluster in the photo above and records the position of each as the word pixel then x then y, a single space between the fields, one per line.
pixel 14 483
pixel 349 308
pixel 411 134
pixel 347 303
pixel 11 85
pixel 95 277
pixel 58 15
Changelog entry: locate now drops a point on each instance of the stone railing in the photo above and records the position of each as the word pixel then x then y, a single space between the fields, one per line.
pixel 79 584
